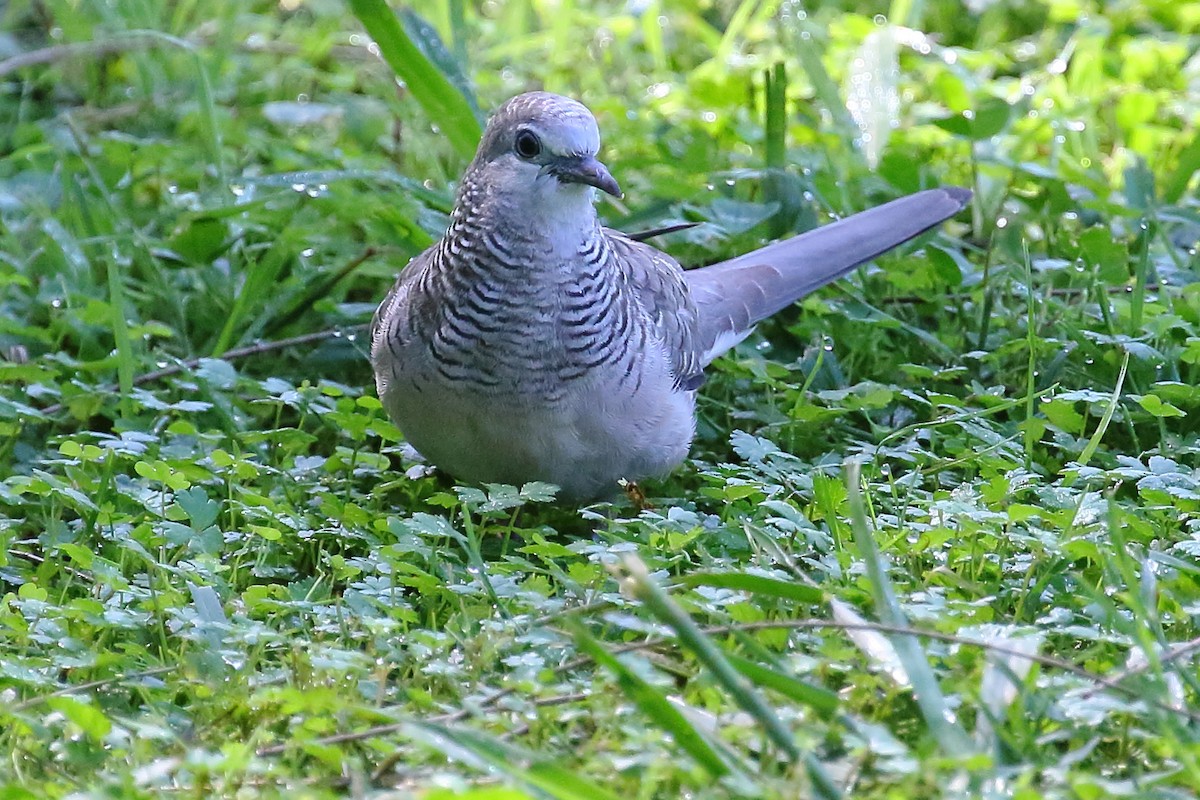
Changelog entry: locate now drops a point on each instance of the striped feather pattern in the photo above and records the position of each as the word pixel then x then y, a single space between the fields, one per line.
pixel 500 313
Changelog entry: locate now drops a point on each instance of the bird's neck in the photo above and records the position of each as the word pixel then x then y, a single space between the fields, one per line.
pixel 523 298
pixel 548 224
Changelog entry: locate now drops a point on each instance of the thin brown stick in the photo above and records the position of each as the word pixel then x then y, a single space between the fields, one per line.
pixel 87 687
pixel 62 52
pixel 229 355
pixel 1061 291
pixel 575 663
pixel 1184 649
pixel 135 40
pixel 322 289
pixel 386 765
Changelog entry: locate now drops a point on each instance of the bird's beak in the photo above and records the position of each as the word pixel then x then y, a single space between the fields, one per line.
pixel 587 170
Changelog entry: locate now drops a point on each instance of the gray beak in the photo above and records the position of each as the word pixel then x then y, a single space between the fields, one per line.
pixel 587 170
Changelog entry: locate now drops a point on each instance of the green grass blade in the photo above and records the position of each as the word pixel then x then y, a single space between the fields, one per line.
pixel 654 705
pixel 906 12
pixel 808 47
pixel 1031 341
pixel 1188 165
pixel 818 698
pixel 747 13
pixel 775 101
pixel 928 695
pixel 426 38
pixel 1109 410
pixel 261 276
pixel 756 584
pixel 544 773
pixel 118 306
pixel 874 645
pixel 690 635
pixel 120 330
pixel 444 104
pixel 742 692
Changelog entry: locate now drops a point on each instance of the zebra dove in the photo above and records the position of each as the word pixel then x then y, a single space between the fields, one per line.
pixel 532 343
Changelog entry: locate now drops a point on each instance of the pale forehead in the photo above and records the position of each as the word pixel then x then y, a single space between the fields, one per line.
pixel 564 125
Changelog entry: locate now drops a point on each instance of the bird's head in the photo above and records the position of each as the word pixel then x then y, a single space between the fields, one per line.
pixel 542 147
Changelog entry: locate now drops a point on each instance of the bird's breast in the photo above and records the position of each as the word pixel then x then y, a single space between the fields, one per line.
pixel 521 324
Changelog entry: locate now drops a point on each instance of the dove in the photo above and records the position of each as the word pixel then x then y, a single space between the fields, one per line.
pixel 531 343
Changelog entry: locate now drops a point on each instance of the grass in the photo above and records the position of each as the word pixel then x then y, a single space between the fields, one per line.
pixel 939 533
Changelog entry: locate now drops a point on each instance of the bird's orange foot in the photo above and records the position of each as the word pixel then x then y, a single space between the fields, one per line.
pixel 635 495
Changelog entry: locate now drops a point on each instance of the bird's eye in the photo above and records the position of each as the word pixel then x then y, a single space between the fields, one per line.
pixel 528 145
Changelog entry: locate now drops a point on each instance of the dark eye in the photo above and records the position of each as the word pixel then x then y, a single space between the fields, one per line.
pixel 528 145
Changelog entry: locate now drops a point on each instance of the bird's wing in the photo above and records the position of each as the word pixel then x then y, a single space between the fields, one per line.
pixel 390 320
pixel 733 295
pixel 658 284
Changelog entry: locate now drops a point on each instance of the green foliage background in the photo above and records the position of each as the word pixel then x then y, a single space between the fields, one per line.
pixel 940 532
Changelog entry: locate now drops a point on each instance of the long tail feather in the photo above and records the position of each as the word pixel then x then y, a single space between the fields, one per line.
pixel 734 295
